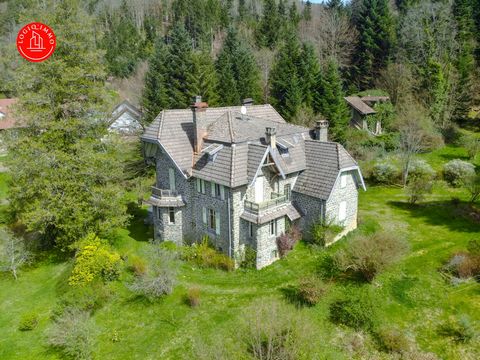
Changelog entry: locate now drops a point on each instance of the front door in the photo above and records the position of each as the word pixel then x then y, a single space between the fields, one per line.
pixel 259 189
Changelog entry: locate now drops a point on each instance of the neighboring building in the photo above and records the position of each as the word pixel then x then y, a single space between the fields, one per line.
pixel 362 109
pixel 126 119
pixel 7 120
pixel 243 175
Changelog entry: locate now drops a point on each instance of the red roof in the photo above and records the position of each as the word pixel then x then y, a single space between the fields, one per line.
pixel 7 121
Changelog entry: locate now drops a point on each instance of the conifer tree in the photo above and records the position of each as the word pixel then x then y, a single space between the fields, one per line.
pixel 309 73
pixel 178 66
pixel 202 79
pixel 293 15
pixel 335 4
pixel 376 38
pixel 307 11
pixel 268 29
pixel 155 97
pixel 330 101
pixel 64 177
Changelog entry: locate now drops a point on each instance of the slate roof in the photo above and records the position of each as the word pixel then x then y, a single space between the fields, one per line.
pixel 288 209
pixel 324 161
pixel 234 147
pixel 359 105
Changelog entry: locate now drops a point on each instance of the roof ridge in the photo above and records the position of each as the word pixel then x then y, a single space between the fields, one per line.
pixel 160 126
pixel 338 156
pixel 229 118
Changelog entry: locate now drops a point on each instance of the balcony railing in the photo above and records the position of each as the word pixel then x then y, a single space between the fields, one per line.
pixel 277 199
pixel 161 193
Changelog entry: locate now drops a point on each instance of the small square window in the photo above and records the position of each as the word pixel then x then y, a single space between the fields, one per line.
pixel 273 227
pixel 171 215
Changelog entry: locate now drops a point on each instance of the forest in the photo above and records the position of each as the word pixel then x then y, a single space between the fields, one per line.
pixel 80 274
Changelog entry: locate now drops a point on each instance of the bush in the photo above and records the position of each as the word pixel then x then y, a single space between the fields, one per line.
pixel 323 232
pixel 28 321
pixel 456 172
pixel 161 274
pixel 393 340
pixel 286 241
pixel 420 169
pixel 249 258
pixel 86 298
pixel 137 265
pixel 417 188
pixel 385 173
pixel 310 291
pixel 193 296
pixel 94 259
pixel 73 333
pixel 472 144
pixel 367 255
pixel 460 328
pixel 464 265
pixel 204 256
pixel 355 309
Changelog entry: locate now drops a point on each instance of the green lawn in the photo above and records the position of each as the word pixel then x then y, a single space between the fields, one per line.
pixel 411 295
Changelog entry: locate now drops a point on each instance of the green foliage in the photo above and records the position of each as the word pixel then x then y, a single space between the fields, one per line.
pixel 457 171
pixel 64 179
pixel 472 144
pixel 268 29
pixel 355 309
pixel 85 298
pixel 137 265
pixel 330 101
pixel 204 256
pixel 73 334
pixel 310 291
pixel 385 172
pixel 392 340
pixel 323 232
pixel 420 181
pixel 94 260
pixel 368 255
pixel 249 258
pixel 193 296
pixel 460 328
pixel 203 79
pixel 28 321
pixel 385 115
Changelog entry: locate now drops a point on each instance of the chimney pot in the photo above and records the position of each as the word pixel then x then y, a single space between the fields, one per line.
pixel 271 137
pixel 321 130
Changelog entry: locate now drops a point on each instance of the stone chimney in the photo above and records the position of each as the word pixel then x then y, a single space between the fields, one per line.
pixel 321 130
pixel 199 126
pixel 247 102
pixel 271 137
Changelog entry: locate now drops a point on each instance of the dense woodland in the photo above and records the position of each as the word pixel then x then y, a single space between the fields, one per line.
pixel 71 212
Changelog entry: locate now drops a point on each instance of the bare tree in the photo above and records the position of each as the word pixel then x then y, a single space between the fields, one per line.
pixel 13 253
pixel 397 80
pixel 264 58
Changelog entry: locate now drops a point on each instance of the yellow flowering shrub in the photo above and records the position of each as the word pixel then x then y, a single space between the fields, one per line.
pixel 94 259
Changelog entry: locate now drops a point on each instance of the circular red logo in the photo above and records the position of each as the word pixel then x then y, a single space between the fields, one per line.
pixel 36 42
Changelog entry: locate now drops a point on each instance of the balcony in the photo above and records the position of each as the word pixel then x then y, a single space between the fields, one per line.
pixel 165 198
pixel 277 199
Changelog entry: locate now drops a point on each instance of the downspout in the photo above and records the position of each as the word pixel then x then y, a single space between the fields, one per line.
pixel 229 227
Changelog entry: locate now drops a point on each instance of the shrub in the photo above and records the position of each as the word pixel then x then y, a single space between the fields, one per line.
pixel 367 255
pixel 193 296
pixel 249 258
pixel 472 184
pixel 420 169
pixel 161 274
pixel 94 259
pixel 310 291
pixel 203 255
pixel 73 333
pixel 460 328
pixel 137 265
pixel 464 265
pixel 385 173
pixel 393 340
pixel 417 188
pixel 86 298
pixel 286 241
pixel 472 144
pixel 355 309
pixel 457 171
pixel 28 321
pixel 323 232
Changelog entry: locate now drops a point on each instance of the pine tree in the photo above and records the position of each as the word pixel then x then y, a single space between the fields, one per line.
pixel 335 4
pixel 463 12
pixel 376 39
pixel 293 98
pixel 178 66
pixel 309 72
pixel 64 177
pixel 238 73
pixel 268 29
pixel 330 101
pixel 203 79
pixel 307 11
pixel 155 97
pixel 293 15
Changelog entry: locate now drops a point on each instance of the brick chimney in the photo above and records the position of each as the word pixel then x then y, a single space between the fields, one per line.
pixel 271 137
pixel 199 126
pixel 321 130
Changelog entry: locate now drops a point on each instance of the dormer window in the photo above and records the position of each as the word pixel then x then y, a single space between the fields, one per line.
pixel 282 147
pixel 212 151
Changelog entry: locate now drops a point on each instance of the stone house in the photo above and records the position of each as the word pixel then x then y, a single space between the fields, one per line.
pixel 362 110
pixel 126 120
pixel 243 175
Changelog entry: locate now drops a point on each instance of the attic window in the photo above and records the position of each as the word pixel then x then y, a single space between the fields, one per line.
pixel 212 151
pixel 282 149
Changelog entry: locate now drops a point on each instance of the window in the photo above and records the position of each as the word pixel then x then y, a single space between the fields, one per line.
pixel 342 211
pixel 214 221
pixel 218 191
pixel 283 151
pixel 274 254
pixel 343 180
pixel 287 190
pixel 201 186
pixel 171 215
pixel 171 178
pixel 273 227
pixel 250 229
pixel 204 215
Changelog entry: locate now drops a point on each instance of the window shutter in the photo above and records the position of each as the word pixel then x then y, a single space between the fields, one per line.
pixel 217 222
pixel 342 211
pixel 171 176
pixel 343 180
pixel 212 187
pixel 204 210
pixel 222 192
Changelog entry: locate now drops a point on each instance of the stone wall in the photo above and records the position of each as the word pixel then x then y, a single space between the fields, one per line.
pixel 266 244
pixel 311 208
pixel 349 194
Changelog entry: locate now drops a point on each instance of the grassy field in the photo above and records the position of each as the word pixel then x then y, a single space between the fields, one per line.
pixel 411 295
